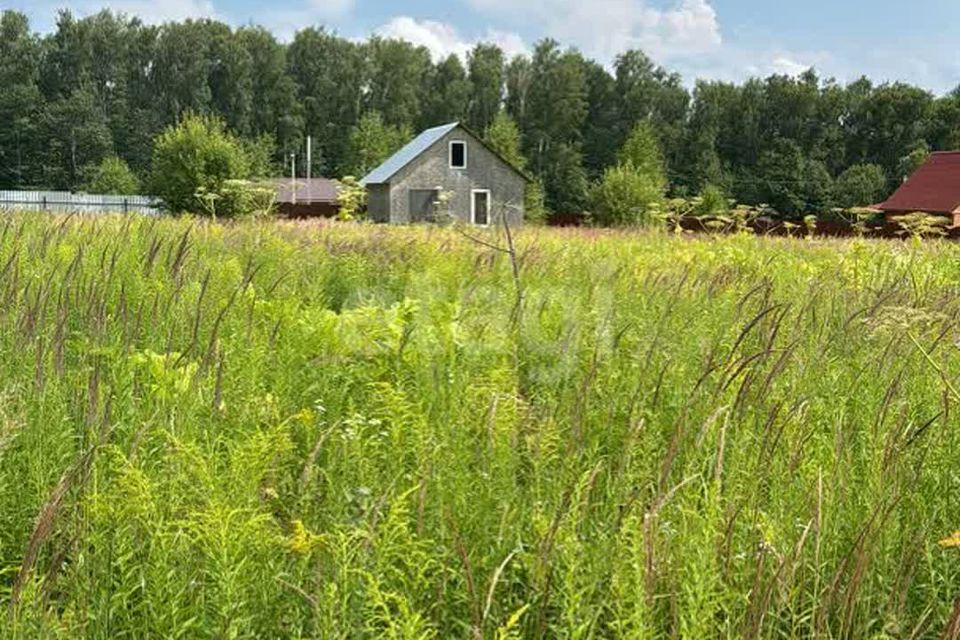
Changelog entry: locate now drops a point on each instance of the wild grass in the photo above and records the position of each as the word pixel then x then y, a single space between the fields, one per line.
pixel 302 431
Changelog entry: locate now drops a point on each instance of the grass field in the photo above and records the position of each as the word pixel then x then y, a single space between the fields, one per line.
pixel 298 431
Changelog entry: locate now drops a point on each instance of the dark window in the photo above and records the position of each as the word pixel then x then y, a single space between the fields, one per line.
pixel 458 155
pixel 481 207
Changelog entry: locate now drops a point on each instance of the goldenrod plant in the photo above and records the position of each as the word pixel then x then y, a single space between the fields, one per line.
pixel 278 429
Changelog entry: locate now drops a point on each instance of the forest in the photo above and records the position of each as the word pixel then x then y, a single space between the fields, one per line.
pixel 105 86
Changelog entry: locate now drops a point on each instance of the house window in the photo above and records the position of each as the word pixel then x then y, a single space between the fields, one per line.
pixel 480 207
pixel 458 154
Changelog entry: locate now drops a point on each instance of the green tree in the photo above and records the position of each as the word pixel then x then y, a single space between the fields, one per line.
pixel 20 101
pixel 642 151
pixel 601 133
pixel 860 185
pixel 398 75
pixel 517 80
pixel 564 179
pixel 371 142
pixel 195 158
pixel 486 76
pixel 75 134
pixel 781 177
pixel 447 95
pixel 330 75
pixel 818 187
pixel 649 92
pixel 275 110
pixel 113 176
pixel 554 115
pixel 632 191
pixel 503 136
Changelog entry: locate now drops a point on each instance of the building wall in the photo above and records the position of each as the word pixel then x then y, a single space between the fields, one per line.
pixel 484 171
pixel 378 202
pixel 308 209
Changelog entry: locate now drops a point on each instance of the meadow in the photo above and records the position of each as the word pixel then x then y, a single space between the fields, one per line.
pixel 273 430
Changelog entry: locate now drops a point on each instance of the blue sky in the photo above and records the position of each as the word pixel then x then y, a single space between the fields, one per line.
pixel 725 39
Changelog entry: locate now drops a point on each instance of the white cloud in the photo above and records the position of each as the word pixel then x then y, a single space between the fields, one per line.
pixel 604 28
pixel 149 11
pixel 443 39
pixel 788 66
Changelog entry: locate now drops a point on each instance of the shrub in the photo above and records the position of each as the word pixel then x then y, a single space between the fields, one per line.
pixel 712 202
pixel 860 185
pixel 192 160
pixel 113 177
pixel 534 203
pixel 625 196
pixel 238 199
pixel 351 197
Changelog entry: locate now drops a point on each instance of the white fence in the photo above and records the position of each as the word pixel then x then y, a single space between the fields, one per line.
pixel 66 202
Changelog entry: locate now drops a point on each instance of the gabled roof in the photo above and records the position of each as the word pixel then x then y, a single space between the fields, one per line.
pixel 407 154
pixel 933 188
pixel 417 146
pixel 307 191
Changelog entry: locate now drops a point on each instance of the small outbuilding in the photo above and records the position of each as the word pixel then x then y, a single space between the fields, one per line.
pixel 934 189
pixel 307 197
pixel 446 172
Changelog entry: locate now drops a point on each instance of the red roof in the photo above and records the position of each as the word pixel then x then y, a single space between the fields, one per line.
pixel 934 188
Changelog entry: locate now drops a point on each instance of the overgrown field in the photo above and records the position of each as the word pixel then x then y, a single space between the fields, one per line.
pixel 279 431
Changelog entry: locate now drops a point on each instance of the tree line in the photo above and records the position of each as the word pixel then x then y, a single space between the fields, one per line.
pixel 104 87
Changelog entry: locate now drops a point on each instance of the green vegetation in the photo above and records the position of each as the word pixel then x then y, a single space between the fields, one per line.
pixel 113 176
pixel 108 84
pixel 338 431
pixel 351 197
pixel 860 185
pixel 372 141
pixel 632 192
pixel 192 163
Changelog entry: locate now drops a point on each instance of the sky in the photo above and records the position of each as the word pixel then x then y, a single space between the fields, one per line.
pixel 885 40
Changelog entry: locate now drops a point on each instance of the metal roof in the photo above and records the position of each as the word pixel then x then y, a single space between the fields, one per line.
pixel 307 191
pixel 934 188
pixel 401 158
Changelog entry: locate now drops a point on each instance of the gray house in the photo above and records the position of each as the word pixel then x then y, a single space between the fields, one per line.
pixel 445 171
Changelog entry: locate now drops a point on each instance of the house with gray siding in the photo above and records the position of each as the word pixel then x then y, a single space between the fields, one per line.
pixel 446 172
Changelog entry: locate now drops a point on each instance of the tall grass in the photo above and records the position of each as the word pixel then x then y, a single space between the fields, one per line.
pixel 293 431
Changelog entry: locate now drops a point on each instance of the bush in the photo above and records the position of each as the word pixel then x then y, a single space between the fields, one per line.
pixel 860 185
pixel 351 197
pixel 191 163
pixel 624 197
pixel 534 203
pixel 712 202
pixel 112 177
pixel 238 199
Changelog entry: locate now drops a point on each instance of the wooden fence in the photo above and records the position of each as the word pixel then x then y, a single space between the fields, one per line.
pixel 66 202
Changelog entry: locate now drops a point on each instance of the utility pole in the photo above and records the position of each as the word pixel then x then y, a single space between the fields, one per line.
pixel 309 157
pixel 293 177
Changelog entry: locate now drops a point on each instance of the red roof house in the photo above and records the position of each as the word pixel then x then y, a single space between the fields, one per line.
pixel 933 189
